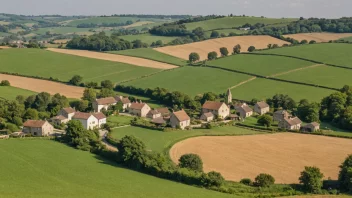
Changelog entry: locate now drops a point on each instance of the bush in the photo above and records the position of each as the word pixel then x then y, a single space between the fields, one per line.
pixel 132 152
pixel 212 55
pixel 251 48
pixel 311 178
pixel 193 57
pixel 246 181
pixel 212 179
pixel 224 51
pixel 264 180
pixel 76 80
pixel 5 83
pixel 214 34
pixel 192 162
pixel 265 120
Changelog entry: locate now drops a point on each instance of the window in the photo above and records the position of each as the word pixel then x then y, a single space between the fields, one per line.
pixel 35 133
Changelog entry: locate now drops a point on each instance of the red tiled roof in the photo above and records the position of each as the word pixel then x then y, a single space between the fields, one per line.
pixel 163 110
pixel 81 115
pixel 159 120
pixel 137 105
pixel 212 105
pixel 34 123
pixel 293 121
pixel 59 117
pixel 262 104
pixel 106 101
pixel 99 115
pixel 208 114
pixel 69 110
pixel 125 100
pixel 181 115
pixel 153 112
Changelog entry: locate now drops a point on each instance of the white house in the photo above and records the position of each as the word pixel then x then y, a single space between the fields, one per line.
pixel 244 110
pixel 67 113
pixel 209 116
pixel 139 109
pixel 103 103
pixel 290 123
pixel 126 103
pixel 153 114
pixel 90 121
pixel 180 119
pixel 219 109
pixel 261 108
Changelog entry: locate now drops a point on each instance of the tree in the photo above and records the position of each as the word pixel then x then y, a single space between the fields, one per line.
pixel 275 46
pixel 251 48
pixel 311 178
pixel 264 180
pixel 345 175
pixel 193 57
pixel 214 34
pixel 312 42
pixel 107 84
pixel 224 51
pixel 209 96
pixel 4 83
pixel 191 161
pixel 304 42
pixel 212 55
pixel 269 46
pixel 237 49
pixel 246 181
pixel 76 80
pixel 89 94
pixel 79 137
pixel 199 32
pixel 82 105
pixel 308 112
pixel 20 99
pixel 104 92
pixel 212 179
pixel 42 101
pixel 31 114
pixel 132 151
pixel 265 120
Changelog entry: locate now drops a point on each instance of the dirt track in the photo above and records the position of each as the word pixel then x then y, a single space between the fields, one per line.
pixel 116 58
pixel 204 47
pixel 318 37
pixel 282 155
pixel 37 85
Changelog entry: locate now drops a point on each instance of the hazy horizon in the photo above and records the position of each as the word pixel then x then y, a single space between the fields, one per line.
pixel 267 8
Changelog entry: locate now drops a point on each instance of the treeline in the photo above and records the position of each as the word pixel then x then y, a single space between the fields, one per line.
pixel 93 25
pixel 152 16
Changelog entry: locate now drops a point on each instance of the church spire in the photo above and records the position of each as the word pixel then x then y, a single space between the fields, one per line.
pixel 228 97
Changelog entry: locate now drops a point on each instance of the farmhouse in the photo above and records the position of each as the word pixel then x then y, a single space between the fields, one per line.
pixel 103 103
pixel 244 110
pixel 164 112
pixel 261 108
pixel 290 123
pixel 311 127
pixel 159 121
pixel 126 103
pixel 58 120
pixel 67 113
pixel 90 121
pixel 209 116
pixel 139 109
pixel 37 128
pixel 153 114
pixel 234 117
pixel 281 115
pixel 219 109
pixel 180 119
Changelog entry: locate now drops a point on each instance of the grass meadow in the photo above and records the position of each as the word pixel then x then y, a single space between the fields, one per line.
pixel 101 20
pixel 191 80
pixel 36 62
pixel 328 53
pixel 45 168
pixel 148 38
pixel 260 65
pixel 347 39
pixel 149 53
pixel 10 93
pixel 63 30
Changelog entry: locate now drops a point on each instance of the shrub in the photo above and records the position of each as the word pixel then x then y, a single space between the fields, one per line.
pixel 311 178
pixel 345 175
pixel 246 181
pixel 191 161
pixel 4 83
pixel 224 51
pixel 251 48
pixel 214 34
pixel 193 57
pixel 264 180
pixel 76 80
pixel 265 120
pixel 212 55
pixel 312 42
pixel 132 152
pixel 304 42
pixel 107 84
pixel 212 179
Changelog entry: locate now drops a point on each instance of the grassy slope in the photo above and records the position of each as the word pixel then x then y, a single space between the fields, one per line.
pixel 50 64
pixel 192 80
pixel 158 140
pixel 44 168
pixel 230 22
pixel 330 53
pixel 347 39
pixel 261 65
pixel 10 93
pixel 100 20
pixel 149 53
pixel 61 30
pixel 262 89
pixel 148 38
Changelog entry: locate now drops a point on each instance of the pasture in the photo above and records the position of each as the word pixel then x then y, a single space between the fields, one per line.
pixel 204 47
pixel 231 22
pixel 45 168
pixel 10 93
pixel 260 65
pixel 101 20
pixel 262 89
pixel 64 30
pixel 160 141
pixel 318 37
pixel 152 54
pixel 148 38
pixel 191 80
pixel 347 39
pixel 43 63
pixel 328 53
pixel 282 155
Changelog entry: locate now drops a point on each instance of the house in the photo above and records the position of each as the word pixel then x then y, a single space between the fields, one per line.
pixel 38 128
pixel 180 119
pixel 281 115
pixel 234 117
pixel 311 127
pixel 103 103
pixel 245 28
pixel 58 120
pixel 159 121
pixel 90 121
pixel 67 113
pixel 101 118
pixel 126 103
pixel 261 108
pixel 139 109
pixel 219 109
pixel 290 123
pixel 164 112
pixel 244 110
pixel 153 114
pixel 208 117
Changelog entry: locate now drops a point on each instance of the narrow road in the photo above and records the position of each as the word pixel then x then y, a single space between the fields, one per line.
pixel 294 70
pixel 243 82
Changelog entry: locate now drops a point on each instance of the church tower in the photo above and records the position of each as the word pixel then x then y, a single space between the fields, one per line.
pixel 229 97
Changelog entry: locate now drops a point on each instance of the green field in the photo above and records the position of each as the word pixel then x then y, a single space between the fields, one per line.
pixel 36 62
pixel 10 93
pixel 329 53
pixel 323 75
pixel 262 89
pixel 226 32
pixel 45 168
pixel 120 120
pixel 347 39
pixel 149 53
pixel 101 20
pixel 148 38
pixel 192 80
pixel 260 65
pixel 159 141
pixel 230 22
pixel 63 30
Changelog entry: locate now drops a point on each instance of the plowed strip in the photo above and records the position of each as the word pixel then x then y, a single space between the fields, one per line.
pixel 116 58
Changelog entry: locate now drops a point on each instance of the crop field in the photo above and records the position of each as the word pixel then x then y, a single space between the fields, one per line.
pixel 282 155
pixel 4 23
pixel 136 24
pixel 148 38
pixel 64 30
pixel 262 89
pixel 329 53
pixel 323 75
pixel 43 63
pixel 151 54
pixel 159 141
pixel 192 80
pixel 204 47
pixel 45 168
pixel 10 93
pixel 318 37
pixel 261 65
pixel 230 22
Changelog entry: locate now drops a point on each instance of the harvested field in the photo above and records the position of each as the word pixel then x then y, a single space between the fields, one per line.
pixel 139 23
pixel 59 41
pixel 282 155
pixel 4 47
pixel 318 37
pixel 37 85
pixel 116 58
pixel 204 47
